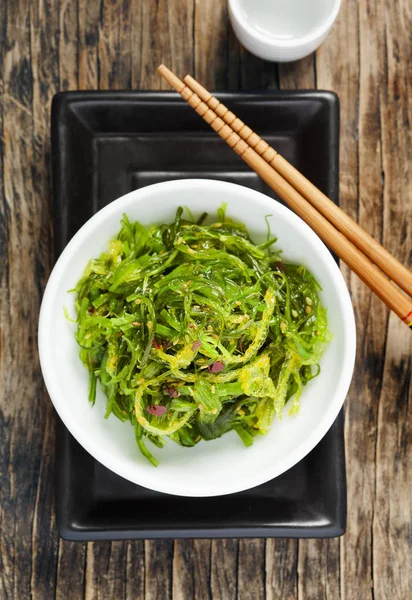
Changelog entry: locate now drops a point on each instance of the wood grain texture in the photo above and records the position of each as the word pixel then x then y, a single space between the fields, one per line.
pixel 135 570
pixel 68 50
pixel 191 569
pixel 47 45
pixel 167 31
pixel 158 569
pixel 298 75
pixel 88 31
pixel 251 570
pixel 224 569
pixel 71 559
pixel 281 569
pixel 391 530
pixel 106 569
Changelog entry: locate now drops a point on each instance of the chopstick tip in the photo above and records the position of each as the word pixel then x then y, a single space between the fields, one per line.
pixel 197 88
pixel 170 77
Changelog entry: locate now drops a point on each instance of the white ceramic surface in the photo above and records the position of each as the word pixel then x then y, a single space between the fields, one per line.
pixel 282 30
pixel 222 466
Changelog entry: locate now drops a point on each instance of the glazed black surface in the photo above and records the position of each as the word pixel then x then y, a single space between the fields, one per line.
pixel 106 144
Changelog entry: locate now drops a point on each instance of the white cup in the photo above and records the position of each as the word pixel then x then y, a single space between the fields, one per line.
pixel 282 30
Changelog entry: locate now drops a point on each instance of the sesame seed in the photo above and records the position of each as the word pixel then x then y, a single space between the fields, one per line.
pixel 294 313
pixel 308 301
pixel 308 310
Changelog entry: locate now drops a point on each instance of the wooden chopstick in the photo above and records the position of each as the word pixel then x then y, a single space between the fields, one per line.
pixel 369 246
pixel 348 252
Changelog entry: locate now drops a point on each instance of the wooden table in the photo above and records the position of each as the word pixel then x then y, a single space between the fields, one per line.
pixel 51 45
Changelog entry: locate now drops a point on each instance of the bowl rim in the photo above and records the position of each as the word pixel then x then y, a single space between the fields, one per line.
pixel 153 481
pixel 265 40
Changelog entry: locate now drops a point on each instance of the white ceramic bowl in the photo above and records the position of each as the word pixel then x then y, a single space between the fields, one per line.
pixel 222 466
pixel 282 30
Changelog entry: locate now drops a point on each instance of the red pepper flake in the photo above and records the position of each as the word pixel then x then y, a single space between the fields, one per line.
pixel 171 391
pixel 196 345
pixel 216 367
pixel 156 409
pixel 279 266
pixel 156 344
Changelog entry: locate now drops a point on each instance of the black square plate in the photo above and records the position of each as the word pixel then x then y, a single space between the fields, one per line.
pixel 105 144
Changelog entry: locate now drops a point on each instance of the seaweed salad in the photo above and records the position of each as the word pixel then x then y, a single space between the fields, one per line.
pixel 192 330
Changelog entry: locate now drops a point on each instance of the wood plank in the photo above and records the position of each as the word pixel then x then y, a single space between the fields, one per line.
pixel 202 568
pixel 68 51
pixel 281 569
pixel 183 572
pixel 342 77
pixel 70 577
pixel 210 40
pixel 158 569
pixel 136 36
pixel 106 565
pixel 135 570
pixel 396 133
pixel 127 24
pixel 224 569
pixel 191 568
pixel 88 43
pixel 362 411
pixel 392 539
pixel 27 537
pixel 180 27
pixel 108 45
pixel 251 569
pixel 324 580
pixel 173 46
pixel 45 82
